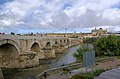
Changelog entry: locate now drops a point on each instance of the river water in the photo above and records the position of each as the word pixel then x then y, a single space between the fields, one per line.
pixel 67 58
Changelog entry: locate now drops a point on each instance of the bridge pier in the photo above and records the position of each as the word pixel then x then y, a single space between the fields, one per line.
pixel 59 48
pixel 49 52
pixel 30 59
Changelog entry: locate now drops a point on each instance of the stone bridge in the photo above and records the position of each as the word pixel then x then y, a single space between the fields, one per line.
pixel 27 51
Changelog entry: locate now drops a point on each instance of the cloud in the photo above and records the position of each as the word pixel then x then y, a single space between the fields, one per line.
pixel 27 15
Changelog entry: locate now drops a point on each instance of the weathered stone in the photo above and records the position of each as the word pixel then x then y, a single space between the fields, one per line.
pixel 49 53
pixel 26 51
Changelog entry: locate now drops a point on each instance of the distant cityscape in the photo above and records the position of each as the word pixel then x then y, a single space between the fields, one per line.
pixel 94 32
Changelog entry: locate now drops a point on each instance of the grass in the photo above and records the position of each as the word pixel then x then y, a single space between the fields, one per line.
pixel 118 57
pixel 97 72
pixel 88 75
pixel 83 76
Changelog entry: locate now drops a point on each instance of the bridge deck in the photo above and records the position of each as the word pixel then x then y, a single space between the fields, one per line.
pixel 28 37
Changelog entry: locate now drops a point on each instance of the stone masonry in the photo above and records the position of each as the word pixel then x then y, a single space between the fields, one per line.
pixel 26 51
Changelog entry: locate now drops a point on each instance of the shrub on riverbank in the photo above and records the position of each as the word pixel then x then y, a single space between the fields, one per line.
pixel 97 72
pixel 79 52
pixel 83 76
pixel 107 46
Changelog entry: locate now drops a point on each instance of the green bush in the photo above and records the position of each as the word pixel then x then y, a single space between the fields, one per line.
pixel 107 46
pixel 62 64
pixel 97 72
pixel 79 52
pixel 88 75
pixel 83 76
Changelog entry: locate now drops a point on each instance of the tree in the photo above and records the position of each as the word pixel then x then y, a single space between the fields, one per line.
pixel 107 46
pixel 12 33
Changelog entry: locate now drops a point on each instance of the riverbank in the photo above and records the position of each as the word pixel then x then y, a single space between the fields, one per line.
pixel 108 63
pixel 102 63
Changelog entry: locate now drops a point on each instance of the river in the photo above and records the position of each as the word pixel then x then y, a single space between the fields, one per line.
pixel 67 58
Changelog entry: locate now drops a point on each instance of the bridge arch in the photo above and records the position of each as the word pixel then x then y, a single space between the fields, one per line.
pixel 48 44
pixel 9 52
pixel 35 47
pixel 61 41
pixel 34 44
pixel 56 42
pixel 12 42
pixel 64 41
pixel 68 41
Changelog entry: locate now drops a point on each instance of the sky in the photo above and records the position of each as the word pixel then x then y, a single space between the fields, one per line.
pixel 25 16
